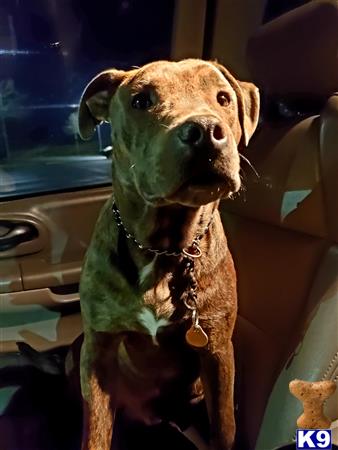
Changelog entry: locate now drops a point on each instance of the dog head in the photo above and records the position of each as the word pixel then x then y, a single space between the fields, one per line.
pixel 176 128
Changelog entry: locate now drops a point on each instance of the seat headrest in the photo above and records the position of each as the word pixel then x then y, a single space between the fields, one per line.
pixel 297 53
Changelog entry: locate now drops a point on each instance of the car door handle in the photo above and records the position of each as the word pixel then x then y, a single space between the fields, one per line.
pixel 16 234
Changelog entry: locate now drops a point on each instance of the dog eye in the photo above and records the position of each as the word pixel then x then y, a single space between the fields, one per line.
pixel 141 101
pixel 223 98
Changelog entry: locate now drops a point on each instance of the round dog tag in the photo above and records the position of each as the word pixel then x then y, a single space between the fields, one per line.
pixel 196 336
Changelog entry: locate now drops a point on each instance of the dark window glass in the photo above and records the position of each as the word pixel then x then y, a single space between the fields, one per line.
pixel 49 50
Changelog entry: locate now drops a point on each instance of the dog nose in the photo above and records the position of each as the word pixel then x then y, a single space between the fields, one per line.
pixel 191 133
pixel 198 133
pixel 217 133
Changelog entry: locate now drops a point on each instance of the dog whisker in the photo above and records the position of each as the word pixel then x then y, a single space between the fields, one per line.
pixel 250 165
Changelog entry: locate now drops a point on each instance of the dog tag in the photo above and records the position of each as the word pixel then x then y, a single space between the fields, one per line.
pixel 196 336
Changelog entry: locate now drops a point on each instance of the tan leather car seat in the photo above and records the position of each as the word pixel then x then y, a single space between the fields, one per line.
pixel 283 229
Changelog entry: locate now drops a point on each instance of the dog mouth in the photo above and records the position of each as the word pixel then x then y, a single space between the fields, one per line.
pixel 203 188
pixel 206 181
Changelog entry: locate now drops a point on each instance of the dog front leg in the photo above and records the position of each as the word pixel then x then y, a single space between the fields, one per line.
pixel 217 373
pixel 98 417
pixel 99 391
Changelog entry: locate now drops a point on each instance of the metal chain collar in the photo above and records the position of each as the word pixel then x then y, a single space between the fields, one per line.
pixel 189 254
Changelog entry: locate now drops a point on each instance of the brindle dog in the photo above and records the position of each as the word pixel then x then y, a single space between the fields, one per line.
pixel 176 130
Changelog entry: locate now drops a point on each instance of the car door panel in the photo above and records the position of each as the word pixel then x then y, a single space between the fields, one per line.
pixel 39 297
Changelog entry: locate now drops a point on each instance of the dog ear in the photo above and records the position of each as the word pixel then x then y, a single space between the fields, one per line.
pixel 95 101
pixel 248 103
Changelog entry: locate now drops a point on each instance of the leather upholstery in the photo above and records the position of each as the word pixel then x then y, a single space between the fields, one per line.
pixel 297 52
pixel 283 233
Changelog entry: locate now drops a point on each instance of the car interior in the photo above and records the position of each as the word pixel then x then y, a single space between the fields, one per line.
pixel 282 227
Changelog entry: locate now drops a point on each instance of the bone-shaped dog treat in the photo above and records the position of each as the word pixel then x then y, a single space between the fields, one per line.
pixel 312 395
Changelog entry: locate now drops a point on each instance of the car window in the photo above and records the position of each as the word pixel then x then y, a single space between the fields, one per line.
pixel 49 50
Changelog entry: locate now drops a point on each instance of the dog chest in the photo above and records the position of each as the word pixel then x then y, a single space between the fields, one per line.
pixel 158 297
pixel 154 376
